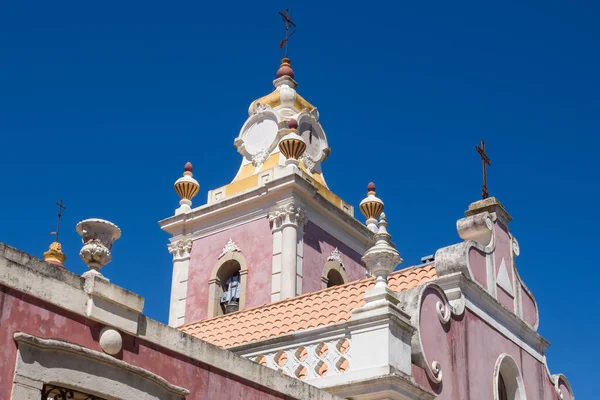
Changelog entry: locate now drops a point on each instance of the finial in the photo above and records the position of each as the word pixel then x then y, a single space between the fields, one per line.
pixel 285 69
pixel 292 146
pixel 186 187
pixel 188 168
pixel 371 207
pixel 54 255
pixel 382 258
pixel 97 236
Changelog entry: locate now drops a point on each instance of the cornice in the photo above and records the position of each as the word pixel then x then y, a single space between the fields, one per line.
pixel 490 310
pixel 256 203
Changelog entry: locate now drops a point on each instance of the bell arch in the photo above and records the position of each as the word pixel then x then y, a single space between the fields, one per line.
pixel 231 266
pixel 334 274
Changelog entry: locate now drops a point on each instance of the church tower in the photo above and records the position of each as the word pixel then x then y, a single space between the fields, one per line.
pixel 276 230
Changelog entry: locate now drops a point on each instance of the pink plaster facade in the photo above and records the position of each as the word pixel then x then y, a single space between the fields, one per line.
pixel 318 245
pixel 256 244
pixel 503 253
pixel 467 349
pixel 23 313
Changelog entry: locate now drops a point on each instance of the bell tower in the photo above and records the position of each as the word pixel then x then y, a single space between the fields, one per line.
pixel 276 230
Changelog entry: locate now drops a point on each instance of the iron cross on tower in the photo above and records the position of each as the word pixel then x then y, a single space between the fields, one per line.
pixel 60 208
pixel 288 22
pixel 485 161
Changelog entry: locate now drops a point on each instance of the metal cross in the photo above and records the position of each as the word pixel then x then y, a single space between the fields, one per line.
pixel 60 208
pixel 484 162
pixel 288 21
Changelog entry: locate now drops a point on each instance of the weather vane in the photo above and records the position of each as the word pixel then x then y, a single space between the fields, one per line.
pixel 485 161
pixel 60 208
pixel 288 22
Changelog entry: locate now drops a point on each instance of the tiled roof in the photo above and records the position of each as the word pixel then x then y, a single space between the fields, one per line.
pixel 327 306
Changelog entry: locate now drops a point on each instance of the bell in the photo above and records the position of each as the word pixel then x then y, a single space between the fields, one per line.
pixel 232 306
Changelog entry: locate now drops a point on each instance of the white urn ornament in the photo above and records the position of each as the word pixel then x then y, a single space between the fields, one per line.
pixel 98 236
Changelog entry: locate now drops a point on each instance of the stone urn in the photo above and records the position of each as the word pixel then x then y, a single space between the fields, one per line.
pixel 98 236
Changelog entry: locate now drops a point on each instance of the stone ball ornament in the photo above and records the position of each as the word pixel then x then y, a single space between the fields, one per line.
pixel 285 69
pixel 111 341
pixel 98 236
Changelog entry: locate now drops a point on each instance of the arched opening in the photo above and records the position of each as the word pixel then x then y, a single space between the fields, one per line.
pixel 227 286
pixel 508 383
pixel 334 278
pixel 334 274
pixel 502 394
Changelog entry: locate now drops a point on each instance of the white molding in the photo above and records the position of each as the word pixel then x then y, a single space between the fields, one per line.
pixel 57 286
pixel 513 379
pixel 254 204
pixel 83 369
pixel 491 311
pixel 379 384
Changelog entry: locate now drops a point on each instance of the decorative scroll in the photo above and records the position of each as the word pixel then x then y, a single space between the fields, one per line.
pixel 444 309
pixel 309 361
pixel 51 392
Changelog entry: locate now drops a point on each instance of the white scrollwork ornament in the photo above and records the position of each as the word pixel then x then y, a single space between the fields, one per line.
pixel 289 214
pixel 180 248
pixel 230 246
pixel 259 158
pixel 308 162
pixel 436 372
pixel 335 256
pixel 443 311
pixel 515 247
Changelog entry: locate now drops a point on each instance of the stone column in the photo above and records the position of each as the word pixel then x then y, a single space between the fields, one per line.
pixel 287 224
pixel 181 250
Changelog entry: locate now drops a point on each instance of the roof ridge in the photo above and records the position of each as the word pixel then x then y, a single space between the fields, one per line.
pixel 301 296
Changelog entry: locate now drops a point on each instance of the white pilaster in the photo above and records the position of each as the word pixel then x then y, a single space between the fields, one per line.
pixel 181 250
pixel 287 224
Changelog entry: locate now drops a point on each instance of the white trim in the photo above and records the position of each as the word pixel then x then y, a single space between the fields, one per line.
pixel 507 367
pixel 27 274
pixel 41 361
pixel 254 204
pixel 490 310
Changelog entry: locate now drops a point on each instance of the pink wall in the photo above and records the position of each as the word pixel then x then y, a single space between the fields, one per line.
pixel 318 245
pixel 529 308
pixel 467 350
pixel 478 266
pixel 255 241
pixel 503 251
pixel 22 313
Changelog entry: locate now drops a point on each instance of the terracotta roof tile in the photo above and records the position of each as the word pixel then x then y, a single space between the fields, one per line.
pixel 327 306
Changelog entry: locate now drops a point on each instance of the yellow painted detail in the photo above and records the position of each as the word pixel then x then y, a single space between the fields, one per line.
pixel 241 185
pixel 248 169
pixel 55 253
pixel 317 176
pixel 273 100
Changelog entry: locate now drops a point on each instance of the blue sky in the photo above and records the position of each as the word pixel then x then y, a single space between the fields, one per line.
pixel 102 104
